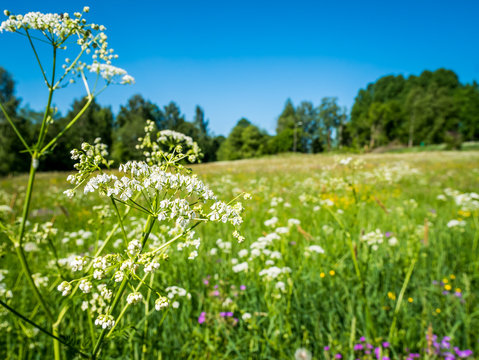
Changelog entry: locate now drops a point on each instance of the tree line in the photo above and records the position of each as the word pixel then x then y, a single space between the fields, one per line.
pixel 418 110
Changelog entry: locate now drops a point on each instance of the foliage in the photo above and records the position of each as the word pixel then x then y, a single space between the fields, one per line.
pixel 421 109
pixel 401 212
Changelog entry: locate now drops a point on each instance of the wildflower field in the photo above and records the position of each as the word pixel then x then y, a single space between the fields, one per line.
pixel 362 257
pixel 284 257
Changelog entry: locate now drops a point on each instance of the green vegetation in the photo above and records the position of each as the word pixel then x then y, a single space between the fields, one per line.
pixel 378 218
pixel 394 112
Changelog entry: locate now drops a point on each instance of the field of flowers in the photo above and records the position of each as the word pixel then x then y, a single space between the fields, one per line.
pixel 362 257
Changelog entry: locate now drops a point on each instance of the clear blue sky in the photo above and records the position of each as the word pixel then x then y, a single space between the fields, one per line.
pixel 245 58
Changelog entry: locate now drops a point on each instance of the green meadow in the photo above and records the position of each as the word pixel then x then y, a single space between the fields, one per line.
pixel 361 257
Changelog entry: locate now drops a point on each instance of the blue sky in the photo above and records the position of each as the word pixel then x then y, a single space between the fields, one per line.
pixel 245 58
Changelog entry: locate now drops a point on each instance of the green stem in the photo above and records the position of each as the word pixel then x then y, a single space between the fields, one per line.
pixel 43 129
pixel 45 331
pixel 400 297
pixel 146 233
pixel 10 121
pixel 145 327
pixel 99 251
pixel 350 243
pixel 156 251
pixel 55 326
pixel 44 121
pixel 19 245
pixel 122 312
pixel 69 125
pixel 36 56
pixel 116 300
pixel 120 220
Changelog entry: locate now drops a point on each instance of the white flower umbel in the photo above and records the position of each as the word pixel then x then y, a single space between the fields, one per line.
pixel 169 147
pixel 105 321
pixel 78 263
pixel 63 30
pixel 65 288
pixel 134 298
pixel 85 286
pixel 161 303
pixel 134 247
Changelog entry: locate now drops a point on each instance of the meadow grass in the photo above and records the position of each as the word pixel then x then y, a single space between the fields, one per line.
pixel 382 247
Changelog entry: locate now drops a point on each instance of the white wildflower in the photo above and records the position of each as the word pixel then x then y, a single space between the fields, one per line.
pixel 161 303
pixel 134 298
pixel 85 286
pixel 105 321
pixel 65 288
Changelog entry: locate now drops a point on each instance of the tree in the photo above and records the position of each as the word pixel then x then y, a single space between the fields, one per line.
pixel 287 118
pixel 130 124
pixel 170 117
pixel 95 122
pixel 467 104
pixel 200 122
pixel 204 140
pixel 244 141
pixel 420 109
pixel 330 116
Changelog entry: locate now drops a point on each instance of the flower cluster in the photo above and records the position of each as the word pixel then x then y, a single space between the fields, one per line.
pixel 444 348
pixel 142 178
pixel 169 147
pixel 171 197
pixel 105 321
pixel 58 29
pixel 110 73
pixel 90 159
pixel 466 201
pixel 376 238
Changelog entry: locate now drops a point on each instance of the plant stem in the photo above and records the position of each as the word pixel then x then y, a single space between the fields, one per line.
pixel 45 331
pixel 146 233
pixel 10 121
pixel 55 326
pixel 69 125
pixel 400 297
pixel 19 244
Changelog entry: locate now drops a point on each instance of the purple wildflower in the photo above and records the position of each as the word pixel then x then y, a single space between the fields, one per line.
pixel 358 347
pixel 362 338
pixel 385 344
pixel 462 353
pixel 202 318
pixel 448 356
pixel 326 348
pixel 216 293
pixel 243 287
pixel 388 234
pixel 445 342
pixel 338 356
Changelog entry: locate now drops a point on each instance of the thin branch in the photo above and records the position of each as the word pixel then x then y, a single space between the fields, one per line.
pixel 27 320
pixel 15 129
pixel 69 125
pixel 38 58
